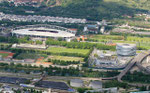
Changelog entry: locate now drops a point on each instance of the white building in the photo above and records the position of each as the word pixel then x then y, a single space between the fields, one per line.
pixel 76 83
pixel 126 49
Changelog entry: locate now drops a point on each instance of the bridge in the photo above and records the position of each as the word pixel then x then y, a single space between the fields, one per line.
pixel 136 61
pixel 43 76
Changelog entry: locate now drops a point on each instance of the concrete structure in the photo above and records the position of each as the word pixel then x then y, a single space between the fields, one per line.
pixel 95 84
pixel 43 31
pixel 29 46
pixel 48 91
pixel 76 83
pixel 126 49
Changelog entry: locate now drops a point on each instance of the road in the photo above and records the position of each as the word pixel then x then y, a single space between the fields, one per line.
pixel 135 60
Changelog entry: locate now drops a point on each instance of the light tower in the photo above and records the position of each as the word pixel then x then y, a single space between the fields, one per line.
pixel 103 24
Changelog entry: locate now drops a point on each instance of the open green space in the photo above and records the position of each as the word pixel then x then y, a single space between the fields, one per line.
pixel 4 44
pixel 30 56
pixel 110 37
pixel 143 42
pixel 4 54
pixel 59 60
pixel 138 39
pixel 67 50
pixel 66 58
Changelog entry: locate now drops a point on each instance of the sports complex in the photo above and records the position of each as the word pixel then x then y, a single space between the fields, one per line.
pixel 43 31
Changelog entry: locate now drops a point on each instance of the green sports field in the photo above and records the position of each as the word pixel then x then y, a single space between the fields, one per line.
pixel 4 54
pixel 66 58
pixel 67 50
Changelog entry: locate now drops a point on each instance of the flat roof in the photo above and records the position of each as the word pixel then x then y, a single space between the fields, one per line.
pixel 125 45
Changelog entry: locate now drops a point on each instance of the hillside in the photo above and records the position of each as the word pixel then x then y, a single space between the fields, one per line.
pixel 89 9
pixel 140 4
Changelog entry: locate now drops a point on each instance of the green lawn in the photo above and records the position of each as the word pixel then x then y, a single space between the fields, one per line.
pixel 66 58
pixel 4 54
pixel 5 44
pixel 140 41
pixel 30 56
pixel 67 50
pixel 108 37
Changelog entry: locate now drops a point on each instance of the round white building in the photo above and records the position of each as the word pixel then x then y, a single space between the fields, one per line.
pixel 76 83
pixel 126 49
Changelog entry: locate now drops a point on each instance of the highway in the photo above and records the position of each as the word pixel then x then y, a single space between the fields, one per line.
pixel 142 68
pixel 128 67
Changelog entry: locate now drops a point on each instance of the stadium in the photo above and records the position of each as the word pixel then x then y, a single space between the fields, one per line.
pixel 42 31
pixel 126 49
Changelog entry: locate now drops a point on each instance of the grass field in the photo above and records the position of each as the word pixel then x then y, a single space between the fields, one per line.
pixel 30 56
pixel 66 58
pixel 108 37
pixel 4 54
pixel 67 50
pixel 140 41
pixel 121 38
pixel 5 44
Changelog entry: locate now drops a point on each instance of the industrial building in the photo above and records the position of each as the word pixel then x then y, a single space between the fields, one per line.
pixel 126 49
pixel 95 84
pixel 76 83
pixel 43 31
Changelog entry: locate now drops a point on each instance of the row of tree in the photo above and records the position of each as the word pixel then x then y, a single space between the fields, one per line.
pixel 133 77
pixel 80 45
pixel 55 71
pixel 62 62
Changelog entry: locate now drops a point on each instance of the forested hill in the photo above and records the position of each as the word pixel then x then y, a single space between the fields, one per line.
pixel 94 9
pixel 89 9
pixel 141 4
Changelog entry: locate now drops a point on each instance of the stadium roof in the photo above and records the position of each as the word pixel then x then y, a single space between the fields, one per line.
pixel 47 32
